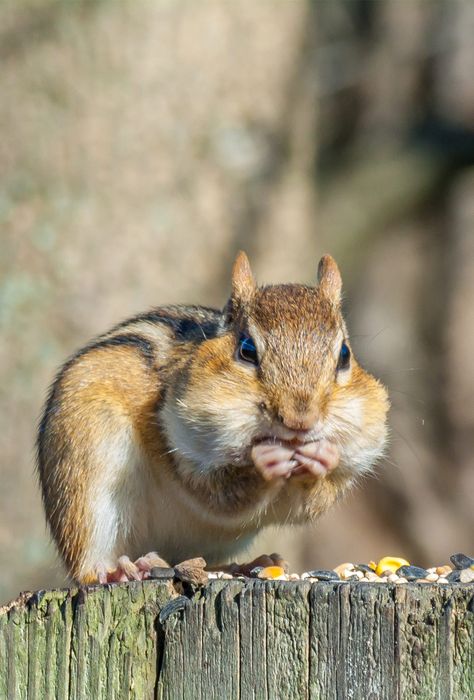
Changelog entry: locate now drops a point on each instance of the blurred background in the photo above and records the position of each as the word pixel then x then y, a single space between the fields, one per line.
pixel 143 143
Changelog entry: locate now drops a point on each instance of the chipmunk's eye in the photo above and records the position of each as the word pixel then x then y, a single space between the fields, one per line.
pixel 247 350
pixel 344 357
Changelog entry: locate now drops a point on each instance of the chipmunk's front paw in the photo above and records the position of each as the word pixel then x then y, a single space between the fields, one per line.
pixel 316 458
pixel 128 570
pixel 273 459
pixel 278 459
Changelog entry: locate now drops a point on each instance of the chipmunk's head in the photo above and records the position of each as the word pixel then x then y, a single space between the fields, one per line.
pixel 282 368
pixel 293 339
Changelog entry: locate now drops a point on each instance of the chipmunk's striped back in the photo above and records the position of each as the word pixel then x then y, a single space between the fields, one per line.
pixel 125 368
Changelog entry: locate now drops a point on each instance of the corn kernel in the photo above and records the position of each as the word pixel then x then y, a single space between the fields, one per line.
pixel 390 564
pixel 271 572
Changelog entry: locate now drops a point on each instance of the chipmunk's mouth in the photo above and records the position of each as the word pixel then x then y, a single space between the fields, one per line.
pixel 295 441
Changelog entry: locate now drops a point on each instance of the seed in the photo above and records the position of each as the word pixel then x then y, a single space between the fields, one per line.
pixel 432 576
pixel 175 605
pixel 351 576
pixel 294 577
pixel 393 578
pixel 402 579
pixel 467 576
pixel 348 574
pixel 442 579
pixel 454 576
pixel 443 570
pixel 342 567
pixel 363 567
pixel 371 576
pixel 412 572
pixel 461 561
pixel 161 572
pixel 192 571
pixel 226 576
pixel 391 564
pixel 323 574
pixel 272 572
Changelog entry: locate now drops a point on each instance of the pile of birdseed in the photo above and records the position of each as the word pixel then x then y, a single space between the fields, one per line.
pixel 387 570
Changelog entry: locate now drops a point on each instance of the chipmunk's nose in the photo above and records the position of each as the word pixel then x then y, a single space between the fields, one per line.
pixel 297 420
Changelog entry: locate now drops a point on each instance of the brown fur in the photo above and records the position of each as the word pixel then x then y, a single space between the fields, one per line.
pixel 161 407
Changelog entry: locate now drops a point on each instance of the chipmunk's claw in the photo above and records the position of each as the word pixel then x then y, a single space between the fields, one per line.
pixel 273 459
pixel 316 458
pixel 279 459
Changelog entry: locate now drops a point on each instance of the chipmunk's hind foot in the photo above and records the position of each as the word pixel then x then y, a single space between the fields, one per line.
pixel 126 570
pixel 244 569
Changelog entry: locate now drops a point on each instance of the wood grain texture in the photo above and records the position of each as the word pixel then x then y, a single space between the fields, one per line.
pixel 250 640
pixel 94 643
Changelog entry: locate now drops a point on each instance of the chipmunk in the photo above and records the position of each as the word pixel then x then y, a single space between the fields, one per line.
pixel 186 430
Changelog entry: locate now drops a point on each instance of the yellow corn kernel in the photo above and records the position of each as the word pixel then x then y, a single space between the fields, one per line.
pixel 272 572
pixel 390 564
pixel 373 565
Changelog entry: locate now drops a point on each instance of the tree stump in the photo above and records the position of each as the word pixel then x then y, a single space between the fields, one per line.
pixel 240 639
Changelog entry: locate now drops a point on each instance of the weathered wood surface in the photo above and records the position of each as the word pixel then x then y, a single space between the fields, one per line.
pixel 239 639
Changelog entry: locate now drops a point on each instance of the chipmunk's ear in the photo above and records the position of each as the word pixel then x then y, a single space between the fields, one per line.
pixel 243 282
pixel 329 279
pixel 243 286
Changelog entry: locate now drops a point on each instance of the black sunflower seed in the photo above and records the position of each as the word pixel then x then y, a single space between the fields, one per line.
pixel 324 575
pixel 411 573
pixel 161 572
pixel 174 606
pixel 454 576
pixel 461 561
pixel 365 568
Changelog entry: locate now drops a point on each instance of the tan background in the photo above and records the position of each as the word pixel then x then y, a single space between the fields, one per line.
pixel 143 143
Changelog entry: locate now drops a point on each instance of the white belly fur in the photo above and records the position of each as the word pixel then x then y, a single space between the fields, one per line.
pixel 133 513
